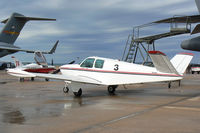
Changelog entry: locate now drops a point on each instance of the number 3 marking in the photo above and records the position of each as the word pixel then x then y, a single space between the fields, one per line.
pixel 116 68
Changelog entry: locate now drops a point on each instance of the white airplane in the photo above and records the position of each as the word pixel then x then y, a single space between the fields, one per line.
pixel 111 73
pixel 40 66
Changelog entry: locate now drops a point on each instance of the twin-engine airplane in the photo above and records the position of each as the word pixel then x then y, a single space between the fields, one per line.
pixel 11 31
pixel 111 73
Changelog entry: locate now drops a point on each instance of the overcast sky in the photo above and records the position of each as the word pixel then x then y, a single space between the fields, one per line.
pixel 92 27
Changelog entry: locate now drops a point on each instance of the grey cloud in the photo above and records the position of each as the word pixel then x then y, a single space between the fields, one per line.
pixel 92 27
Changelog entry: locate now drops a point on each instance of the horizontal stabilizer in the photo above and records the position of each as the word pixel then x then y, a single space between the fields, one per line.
pixel 34 18
pixel 29 18
pixel 161 62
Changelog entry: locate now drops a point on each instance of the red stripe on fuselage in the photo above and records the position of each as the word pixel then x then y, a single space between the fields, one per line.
pixel 40 70
pixel 120 72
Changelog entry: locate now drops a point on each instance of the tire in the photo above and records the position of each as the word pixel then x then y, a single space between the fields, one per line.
pixel 46 79
pixel 179 83
pixel 21 79
pixel 32 78
pixel 65 89
pixel 111 89
pixel 79 93
pixel 169 85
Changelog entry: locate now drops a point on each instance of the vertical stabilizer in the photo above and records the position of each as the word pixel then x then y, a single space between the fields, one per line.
pixel 17 62
pixel 14 25
pixel 12 28
pixel 181 61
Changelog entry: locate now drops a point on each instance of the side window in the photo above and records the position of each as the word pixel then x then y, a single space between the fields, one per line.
pixel 99 63
pixel 88 63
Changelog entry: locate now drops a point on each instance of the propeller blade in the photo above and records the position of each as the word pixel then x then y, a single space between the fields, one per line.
pixel 56 71
pixel 72 62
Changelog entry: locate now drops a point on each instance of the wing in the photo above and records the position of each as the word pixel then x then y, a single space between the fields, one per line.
pixel 78 78
pixel 14 48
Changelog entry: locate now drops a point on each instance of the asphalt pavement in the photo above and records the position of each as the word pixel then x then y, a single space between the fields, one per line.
pixel 42 107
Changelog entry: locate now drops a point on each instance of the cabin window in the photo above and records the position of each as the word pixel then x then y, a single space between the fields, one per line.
pixel 88 63
pixel 99 63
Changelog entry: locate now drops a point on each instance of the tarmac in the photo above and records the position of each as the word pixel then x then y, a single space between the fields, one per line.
pixel 42 107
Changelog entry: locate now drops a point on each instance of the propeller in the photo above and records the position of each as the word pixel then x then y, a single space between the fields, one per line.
pixel 72 62
pixel 58 70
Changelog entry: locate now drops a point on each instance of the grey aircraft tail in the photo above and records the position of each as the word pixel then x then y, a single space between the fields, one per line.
pixel 14 25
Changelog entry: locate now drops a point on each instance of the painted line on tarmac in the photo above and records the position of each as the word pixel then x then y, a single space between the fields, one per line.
pixel 183 108
pixel 194 99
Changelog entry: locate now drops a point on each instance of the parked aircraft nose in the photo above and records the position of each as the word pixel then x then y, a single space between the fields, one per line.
pixel 191 44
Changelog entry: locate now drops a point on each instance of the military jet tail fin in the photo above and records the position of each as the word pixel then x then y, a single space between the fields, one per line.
pixel 14 25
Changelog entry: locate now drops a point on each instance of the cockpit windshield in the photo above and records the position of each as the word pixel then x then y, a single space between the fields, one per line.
pixel 88 63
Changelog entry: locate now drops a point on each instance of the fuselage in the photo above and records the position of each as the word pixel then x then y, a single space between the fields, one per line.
pixel 35 68
pixel 112 72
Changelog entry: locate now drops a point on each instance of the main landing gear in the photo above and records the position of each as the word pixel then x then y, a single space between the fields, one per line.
pixel 68 85
pixel 79 93
pixel 76 94
pixel 111 89
pixel 169 84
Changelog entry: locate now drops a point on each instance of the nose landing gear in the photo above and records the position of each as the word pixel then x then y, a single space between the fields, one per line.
pixel 65 89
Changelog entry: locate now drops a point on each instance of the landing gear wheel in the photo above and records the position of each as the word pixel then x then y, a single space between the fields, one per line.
pixel 46 79
pixel 111 89
pixel 32 78
pixel 65 89
pixel 179 83
pixel 79 93
pixel 21 79
pixel 169 85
